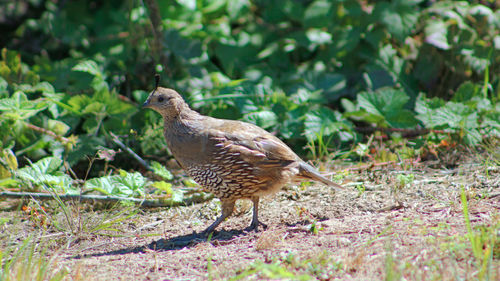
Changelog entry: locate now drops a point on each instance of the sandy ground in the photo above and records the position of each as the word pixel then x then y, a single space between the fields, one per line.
pixel 377 228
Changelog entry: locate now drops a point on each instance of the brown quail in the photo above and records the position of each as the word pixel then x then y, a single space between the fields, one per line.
pixel 231 159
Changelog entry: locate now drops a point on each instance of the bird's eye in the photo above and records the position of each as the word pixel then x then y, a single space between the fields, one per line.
pixel 160 99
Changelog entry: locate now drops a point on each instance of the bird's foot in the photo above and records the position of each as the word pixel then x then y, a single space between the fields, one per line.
pixel 209 232
pixel 254 226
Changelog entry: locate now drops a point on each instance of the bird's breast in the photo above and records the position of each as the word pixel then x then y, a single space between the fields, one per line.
pixel 188 147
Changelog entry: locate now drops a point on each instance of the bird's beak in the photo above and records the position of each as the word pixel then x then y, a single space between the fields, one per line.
pixel 146 104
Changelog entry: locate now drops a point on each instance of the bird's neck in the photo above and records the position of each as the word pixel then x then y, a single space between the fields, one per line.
pixel 180 118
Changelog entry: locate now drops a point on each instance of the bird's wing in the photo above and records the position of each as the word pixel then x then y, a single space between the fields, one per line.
pixel 254 144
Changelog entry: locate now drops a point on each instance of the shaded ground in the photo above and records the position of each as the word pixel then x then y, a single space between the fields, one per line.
pixel 378 228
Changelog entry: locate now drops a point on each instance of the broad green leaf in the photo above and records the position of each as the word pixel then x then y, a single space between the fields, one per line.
pixel 236 8
pixel 79 102
pixel 47 165
pixel 163 186
pixel 177 196
pixel 124 184
pixel 58 127
pixel 86 146
pixel 105 185
pixel 322 122
pixel 47 173
pixel 19 107
pixel 436 34
pixel 264 118
pixel 466 92
pixel 387 104
pixel 399 16
pixel 9 159
pixel 425 106
pixel 133 181
pixel 453 115
pixel 161 171
pixel 182 47
pixel 348 105
pixel 95 108
pixel 318 36
pixel 318 14
pixel 88 66
pixel 332 84
pixel 3 87
pixel 189 4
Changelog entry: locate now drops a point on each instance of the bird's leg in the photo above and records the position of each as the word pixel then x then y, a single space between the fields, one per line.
pixel 227 210
pixel 255 218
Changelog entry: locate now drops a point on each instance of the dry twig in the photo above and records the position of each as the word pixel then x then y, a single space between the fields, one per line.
pixel 150 203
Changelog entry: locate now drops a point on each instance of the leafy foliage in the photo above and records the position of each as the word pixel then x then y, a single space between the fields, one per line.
pixel 312 72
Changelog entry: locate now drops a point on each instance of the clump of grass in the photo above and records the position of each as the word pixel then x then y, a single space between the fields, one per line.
pixel 270 238
pixel 392 271
pixel 292 267
pixel 483 243
pixel 29 261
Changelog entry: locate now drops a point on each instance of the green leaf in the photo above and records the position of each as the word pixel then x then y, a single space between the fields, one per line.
pixel 19 107
pixel 387 104
pixel 58 127
pixel 453 115
pixel 318 14
pixel 47 172
pixel 163 186
pixel 189 4
pixel 322 122
pixel 177 196
pixel 425 107
pixel 318 36
pixel 94 108
pixel 88 66
pixel 86 146
pixel 399 16
pixel 332 84
pixel 79 102
pixel 161 171
pixel 466 92
pixel 124 184
pixel 264 119
pixel 436 34
pixel 182 47
pixel 134 181
pixel 47 165
pixel 236 8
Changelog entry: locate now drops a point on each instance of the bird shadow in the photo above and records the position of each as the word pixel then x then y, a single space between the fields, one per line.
pixel 186 241
pixel 171 244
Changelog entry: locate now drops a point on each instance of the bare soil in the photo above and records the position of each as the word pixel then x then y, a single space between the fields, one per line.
pixel 377 228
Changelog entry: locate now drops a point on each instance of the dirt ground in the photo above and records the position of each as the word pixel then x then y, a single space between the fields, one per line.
pixel 380 227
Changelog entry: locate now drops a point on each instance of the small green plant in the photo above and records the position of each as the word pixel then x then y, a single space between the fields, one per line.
pixel 275 270
pixel 29 260
pixel 289 266
pixel 483 242
pixel 314 227
pixel 361 189
pixel 404 180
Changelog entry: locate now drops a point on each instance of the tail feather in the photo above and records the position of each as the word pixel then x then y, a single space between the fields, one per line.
pixel 307 171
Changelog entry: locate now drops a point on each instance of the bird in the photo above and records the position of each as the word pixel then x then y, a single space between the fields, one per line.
pixel 228 158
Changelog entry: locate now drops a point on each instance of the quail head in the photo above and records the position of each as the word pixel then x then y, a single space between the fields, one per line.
pixel 231 159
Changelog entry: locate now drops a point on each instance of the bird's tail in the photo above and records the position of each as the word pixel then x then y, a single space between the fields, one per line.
pixel 307 171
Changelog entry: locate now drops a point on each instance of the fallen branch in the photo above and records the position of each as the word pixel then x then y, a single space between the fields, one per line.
pixel 149 203
pixel 48 132
pixel 380 164
pixel 405 132
pixel 130 151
